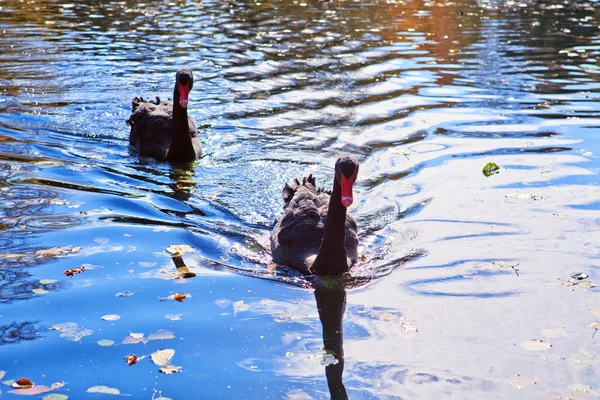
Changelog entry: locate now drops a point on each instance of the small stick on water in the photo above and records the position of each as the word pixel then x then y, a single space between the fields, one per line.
pixel 514 267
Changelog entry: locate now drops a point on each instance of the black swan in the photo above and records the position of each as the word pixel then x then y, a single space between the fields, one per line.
pixel 315 235
pixel 164 130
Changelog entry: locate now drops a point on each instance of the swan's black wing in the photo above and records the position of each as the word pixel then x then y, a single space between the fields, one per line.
pixel 152 128
pixel 297 235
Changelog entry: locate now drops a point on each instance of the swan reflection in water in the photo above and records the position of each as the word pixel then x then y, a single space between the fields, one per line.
pixel 183 184
pixel 331 304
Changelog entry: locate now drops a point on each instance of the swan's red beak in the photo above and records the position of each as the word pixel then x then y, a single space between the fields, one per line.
pixel 184 92
pixel 347 184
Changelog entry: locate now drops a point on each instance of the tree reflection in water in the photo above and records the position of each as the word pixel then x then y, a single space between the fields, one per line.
pixel 16 332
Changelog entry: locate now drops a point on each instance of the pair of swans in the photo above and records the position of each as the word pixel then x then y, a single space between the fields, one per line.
pixel 315 235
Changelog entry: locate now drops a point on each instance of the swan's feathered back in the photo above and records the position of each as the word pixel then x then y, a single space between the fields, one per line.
pixel 297 235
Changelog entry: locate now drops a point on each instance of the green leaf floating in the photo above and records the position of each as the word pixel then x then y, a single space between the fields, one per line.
pixel 491 169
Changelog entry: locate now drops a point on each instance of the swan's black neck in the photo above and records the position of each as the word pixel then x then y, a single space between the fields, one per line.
pixel 331 259
pixel 181 148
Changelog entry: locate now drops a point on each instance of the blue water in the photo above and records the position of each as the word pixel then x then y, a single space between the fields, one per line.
pixel 424 94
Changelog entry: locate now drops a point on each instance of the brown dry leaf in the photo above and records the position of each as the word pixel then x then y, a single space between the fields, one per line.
pixel 169 369
pixel 177 297
pixel 162 357
pixel 131 359
pixel 72 271
pixel 23 383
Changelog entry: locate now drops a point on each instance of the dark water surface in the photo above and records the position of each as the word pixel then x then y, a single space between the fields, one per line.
pixel 423 93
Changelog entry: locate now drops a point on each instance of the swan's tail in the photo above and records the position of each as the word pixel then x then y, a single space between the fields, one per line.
pixel 308 181
pixel 135 103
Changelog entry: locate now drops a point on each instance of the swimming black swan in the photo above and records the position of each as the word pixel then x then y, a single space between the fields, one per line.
pixel 164 130
pixel 315 235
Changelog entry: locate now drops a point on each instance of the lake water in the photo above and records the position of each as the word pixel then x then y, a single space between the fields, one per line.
pixel 465 289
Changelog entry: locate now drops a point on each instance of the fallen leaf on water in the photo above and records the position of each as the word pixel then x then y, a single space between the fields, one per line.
pixel 71 331
pixel 39 291
pixel 180 249
pixel 177 297
pixel 47 281
pixel 76 249
pixel 32 391
pixel 582 359
pixel 103 389
pixel 579 276
pixel 490 169
pixel 54 251
pixel 289 354
pixel 595 326
pixel 105 342
pixel 173 317
pixel 169 369
pixel 223 303
pixel 272 267
pixel 523 196
pixel 535 345
pixel 131 359
pixel 520 382
pixel 72 271
pixel 239 306
pixel 101 241
pixel 55 396
pixel 501 264
pixel 554 333
pixel 23 383
pixel 162 357
pixel 111 317
pixel 58 385
pixel 132 340
pixel 136 335
pixel 146 264
pixel 577 387
pixel 161 335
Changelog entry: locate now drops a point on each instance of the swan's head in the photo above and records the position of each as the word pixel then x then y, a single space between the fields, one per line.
pixel 185 81
pixel 346 171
